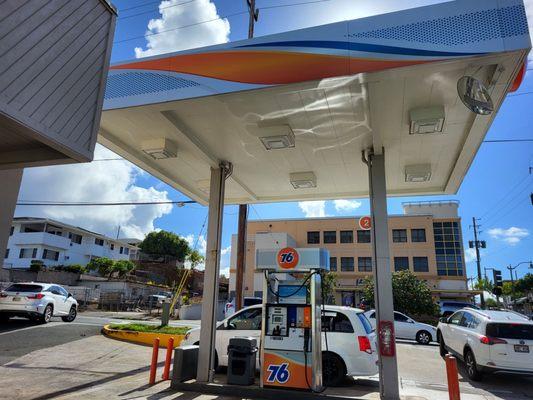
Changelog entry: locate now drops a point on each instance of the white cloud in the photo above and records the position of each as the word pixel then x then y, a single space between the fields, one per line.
pixel 344 206
pixel 470 255
pixel 191 36
pixel 94 182
pixel 313 209
pixel 511 236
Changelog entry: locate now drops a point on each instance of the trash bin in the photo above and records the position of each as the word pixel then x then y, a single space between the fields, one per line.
pixel 242 354
pixel 185 363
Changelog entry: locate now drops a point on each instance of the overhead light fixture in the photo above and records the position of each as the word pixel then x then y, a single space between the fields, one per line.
pixel 303 180
pixel 418 173
pixel 426 120
pixel 475 95
pixel 159 149
pixel 277 137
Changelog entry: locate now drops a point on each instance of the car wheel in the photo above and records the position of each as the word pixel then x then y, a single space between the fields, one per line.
pixel 423 337
pixel 442 345
pixel 47 314
pixel 471 366
pixel 333 369
pixel 71 315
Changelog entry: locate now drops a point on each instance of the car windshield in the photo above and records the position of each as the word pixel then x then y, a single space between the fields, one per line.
pixel 510 331
pixel 18 287
pixel 365 322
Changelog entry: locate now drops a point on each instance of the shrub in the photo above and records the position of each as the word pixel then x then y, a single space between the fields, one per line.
pixel 36 265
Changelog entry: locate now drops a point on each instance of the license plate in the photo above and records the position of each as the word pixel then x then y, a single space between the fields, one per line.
pixel 520 348
pixel 16 298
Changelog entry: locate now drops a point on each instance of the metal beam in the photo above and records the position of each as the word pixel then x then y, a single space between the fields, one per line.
pixel 241 255
pixel 388 369
pixel 10 179
pixel 206 356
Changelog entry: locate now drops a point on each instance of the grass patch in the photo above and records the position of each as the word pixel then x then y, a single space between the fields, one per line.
pixel 172 330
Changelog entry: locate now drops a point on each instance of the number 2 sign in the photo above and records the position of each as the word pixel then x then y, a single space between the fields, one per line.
pixel 288 258
pixel 365 223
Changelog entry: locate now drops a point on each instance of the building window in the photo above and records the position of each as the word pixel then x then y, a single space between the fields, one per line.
pixel 401 263
pixel 126 250
pixel 399 235
pixel 346 236
pixel 99 242
pixel 75 238
pixel 313 237
pixel 448 248
pixel 364 264
pixel 418 235
pixel 363 236
pixel 333 263
pixel 28 253
pixel 112 246
pixel 50 255
pixel 420 264
pixel 121 250
pixel 11 231
pixel 7 254
pixel 347 264
pixel 330 236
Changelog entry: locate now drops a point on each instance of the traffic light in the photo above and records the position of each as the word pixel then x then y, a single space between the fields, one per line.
pixel 498 282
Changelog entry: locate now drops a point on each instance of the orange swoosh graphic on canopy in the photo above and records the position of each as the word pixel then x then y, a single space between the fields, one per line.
pixel 266 67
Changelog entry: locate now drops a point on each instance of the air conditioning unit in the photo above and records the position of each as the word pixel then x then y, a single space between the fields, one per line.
pixel 277 137
pixel 426 120
pixel 303 180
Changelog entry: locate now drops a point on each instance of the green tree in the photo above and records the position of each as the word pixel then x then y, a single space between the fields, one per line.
pixel 195 258
pixel 77 268
pixel 483 284
pixel 411 295
pixel 163 243
pixel 103 265
pixel 329 282
pixel 122 267
pixel 524 284
pixel 507 289
pixel 491 303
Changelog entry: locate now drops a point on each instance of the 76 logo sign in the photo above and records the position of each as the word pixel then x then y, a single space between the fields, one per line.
pixel 288 258
pixel 278 373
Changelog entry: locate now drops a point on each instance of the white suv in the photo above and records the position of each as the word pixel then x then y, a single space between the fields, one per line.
pixel 488 341
pixel 348 340
pixel 407 328
pixel 38 302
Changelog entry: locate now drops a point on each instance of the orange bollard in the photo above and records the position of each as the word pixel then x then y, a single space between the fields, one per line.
pixel 453 378
pixel 153 366
pixel 168 358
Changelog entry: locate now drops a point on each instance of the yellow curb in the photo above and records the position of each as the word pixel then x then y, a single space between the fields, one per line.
pixel 142 337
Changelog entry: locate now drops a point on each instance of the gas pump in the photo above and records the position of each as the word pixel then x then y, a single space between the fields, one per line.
pixel 291 345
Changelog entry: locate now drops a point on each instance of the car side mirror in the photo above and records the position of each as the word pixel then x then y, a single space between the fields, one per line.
pixel 444 320
pixel 70 295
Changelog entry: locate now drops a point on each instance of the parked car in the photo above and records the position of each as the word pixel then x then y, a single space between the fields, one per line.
pixel 229 308
pixel 488 341
pixel 351 347
pixel 38 302
pixel 407 328
pixel 448 307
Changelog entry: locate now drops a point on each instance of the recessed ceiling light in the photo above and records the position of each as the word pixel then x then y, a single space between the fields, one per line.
pixel 418 173
pixel 277 137
pixel 159 149
pixel 303 180
pixel 475 95
pixel 426 120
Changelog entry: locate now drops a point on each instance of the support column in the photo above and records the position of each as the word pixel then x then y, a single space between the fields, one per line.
pixel 10 179
pixel 388 369
pixel 241 256
pixel 206 355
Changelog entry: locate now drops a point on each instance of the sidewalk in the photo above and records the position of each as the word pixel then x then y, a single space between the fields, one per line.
pixel 100 368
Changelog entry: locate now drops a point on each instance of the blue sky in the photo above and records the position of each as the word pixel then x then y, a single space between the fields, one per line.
pixel 507 217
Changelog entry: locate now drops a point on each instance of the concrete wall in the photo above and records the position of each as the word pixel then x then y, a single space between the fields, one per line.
pixel 194 311
pixel 59 277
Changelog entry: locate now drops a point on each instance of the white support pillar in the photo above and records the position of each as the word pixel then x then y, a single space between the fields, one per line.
pixel 10 180
pixel 388 369
pixel 206 355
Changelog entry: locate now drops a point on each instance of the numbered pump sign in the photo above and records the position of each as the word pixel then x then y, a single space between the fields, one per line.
pixel 365 223
pixel 288 258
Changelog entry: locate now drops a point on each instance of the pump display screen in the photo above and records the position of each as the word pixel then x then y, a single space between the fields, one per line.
pixel 294 294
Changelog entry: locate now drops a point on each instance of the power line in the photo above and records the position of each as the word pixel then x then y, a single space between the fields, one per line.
pixel 152 11
pixel 83 204
pixel 293 4
pixel 140 5
pixel 507 140
pixel 507 194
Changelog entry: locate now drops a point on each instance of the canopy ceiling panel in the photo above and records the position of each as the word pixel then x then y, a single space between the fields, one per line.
pixel 330 92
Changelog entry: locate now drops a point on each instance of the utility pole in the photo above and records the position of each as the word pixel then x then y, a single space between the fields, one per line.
pixel 478 261
pixel 243 208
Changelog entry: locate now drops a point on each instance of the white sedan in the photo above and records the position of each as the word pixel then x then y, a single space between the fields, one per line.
pixel 351 347
pixel 407 328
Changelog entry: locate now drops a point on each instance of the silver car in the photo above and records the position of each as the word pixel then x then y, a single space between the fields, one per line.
pixel 37 301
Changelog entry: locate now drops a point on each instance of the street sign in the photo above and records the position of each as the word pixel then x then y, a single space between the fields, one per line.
pixel 365 223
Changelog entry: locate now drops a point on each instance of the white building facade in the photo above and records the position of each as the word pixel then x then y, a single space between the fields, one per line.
pixel 55 243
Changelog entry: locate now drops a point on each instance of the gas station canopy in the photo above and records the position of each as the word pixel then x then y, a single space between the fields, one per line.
pixel 293 112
